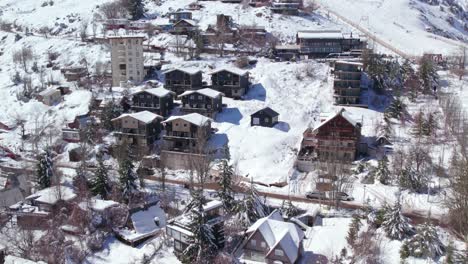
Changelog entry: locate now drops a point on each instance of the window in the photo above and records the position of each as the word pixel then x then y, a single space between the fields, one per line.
pixel 177 245
pixel 208 106
pixel 200 97
pixel 279 252
pixel 256 121
pixel 192 97
pixel 267 120
pixel 253 243
pixel 263 244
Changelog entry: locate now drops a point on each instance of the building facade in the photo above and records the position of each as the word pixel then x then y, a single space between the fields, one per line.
pixel 347 82
pixel 138 130
pixel 231 82
pixel 186 133
pixel 207 102
pixel 157 100
pixel 181 80
pixel 127 59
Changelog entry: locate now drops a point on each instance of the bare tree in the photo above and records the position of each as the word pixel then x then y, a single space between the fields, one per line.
pixel 113 10
pixel 459 61
pixel 23 57
pixel 83 31
pixel 45 31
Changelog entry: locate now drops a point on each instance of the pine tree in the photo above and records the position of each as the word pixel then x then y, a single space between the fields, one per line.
pixel 44 170
pixel 226 193
pixel 100 183
pixel 202 243
pixel 428 74
pixel 288 209
pixel 127 178
pixel 396 225
pixel 382 172
pixel 136 8
pixel 411 179
pixel 449 255
pixel 252 207
pixel 419 124
pixel 353 230
pixel 425 243
pixel 430 124
pixel 110 111
pixel 395 109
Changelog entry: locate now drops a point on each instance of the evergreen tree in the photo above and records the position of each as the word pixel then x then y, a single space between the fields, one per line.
pixel 127 178
pixel 425 243
pixel 202 243
pixel 382 172
pixel 427 72
pixel 136 8
pixel 396 225
pixel 252 207
pixel 110 111
pixel 100 183
pixel 449 255
pixel 226 193
pixel 44 169
pixel 353 230
pixel 376 217
pixel 430 124
pixel 395 109
pixel 412 179
pixel 289 209
pixel 419 125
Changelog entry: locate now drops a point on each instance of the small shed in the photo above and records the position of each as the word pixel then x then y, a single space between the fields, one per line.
pixel 265 117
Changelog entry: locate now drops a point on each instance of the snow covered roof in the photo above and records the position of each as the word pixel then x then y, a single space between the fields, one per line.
pixel 320 34
pixel 212 205
pixel 189 21
pixel 159 92
pixel 144 220
pixel 143 116
pixel 231 70
pixel 49 92
pixel 268 111
pixel 205 91
pixel 187 70
pixel 349 62
pixel 125 36
pixel 277 232
pixel 53 194
pixel 341 112
pixel 98 205
pixel 193 118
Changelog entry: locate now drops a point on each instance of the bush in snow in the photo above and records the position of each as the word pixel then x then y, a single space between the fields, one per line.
pixel 396 109
pixel 95 241
pixel 425 243
pixel 413 180
pixel 396 225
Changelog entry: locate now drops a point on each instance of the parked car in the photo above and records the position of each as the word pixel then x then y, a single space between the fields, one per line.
pixel 344 196
pixel 316 195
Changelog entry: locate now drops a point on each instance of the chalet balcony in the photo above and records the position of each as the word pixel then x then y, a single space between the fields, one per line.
pixel 335 148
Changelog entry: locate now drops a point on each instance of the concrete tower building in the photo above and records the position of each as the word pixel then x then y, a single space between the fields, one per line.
pixel 127 59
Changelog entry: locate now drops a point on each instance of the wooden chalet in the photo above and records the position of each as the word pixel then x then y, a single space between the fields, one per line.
pixel 175 17
pixel 138 130
pixel 254 35
pixel 185 133
pixel 335 139
pixel 184 27
pixel 74 73
pixel 347 82
pixel 265 117
pixel 207 102
pixel 180 80
pixel 232 82
pixel 156 100
pixel 272 240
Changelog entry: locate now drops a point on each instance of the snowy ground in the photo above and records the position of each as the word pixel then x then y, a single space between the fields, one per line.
pixel 400 23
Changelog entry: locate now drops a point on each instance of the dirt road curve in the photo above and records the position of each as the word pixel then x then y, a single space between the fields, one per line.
pixel 415 217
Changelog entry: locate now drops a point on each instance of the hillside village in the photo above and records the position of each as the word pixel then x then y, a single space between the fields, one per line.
pixel 233 131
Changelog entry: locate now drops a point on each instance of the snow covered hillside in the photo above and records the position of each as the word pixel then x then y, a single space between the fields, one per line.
pixel 412 26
